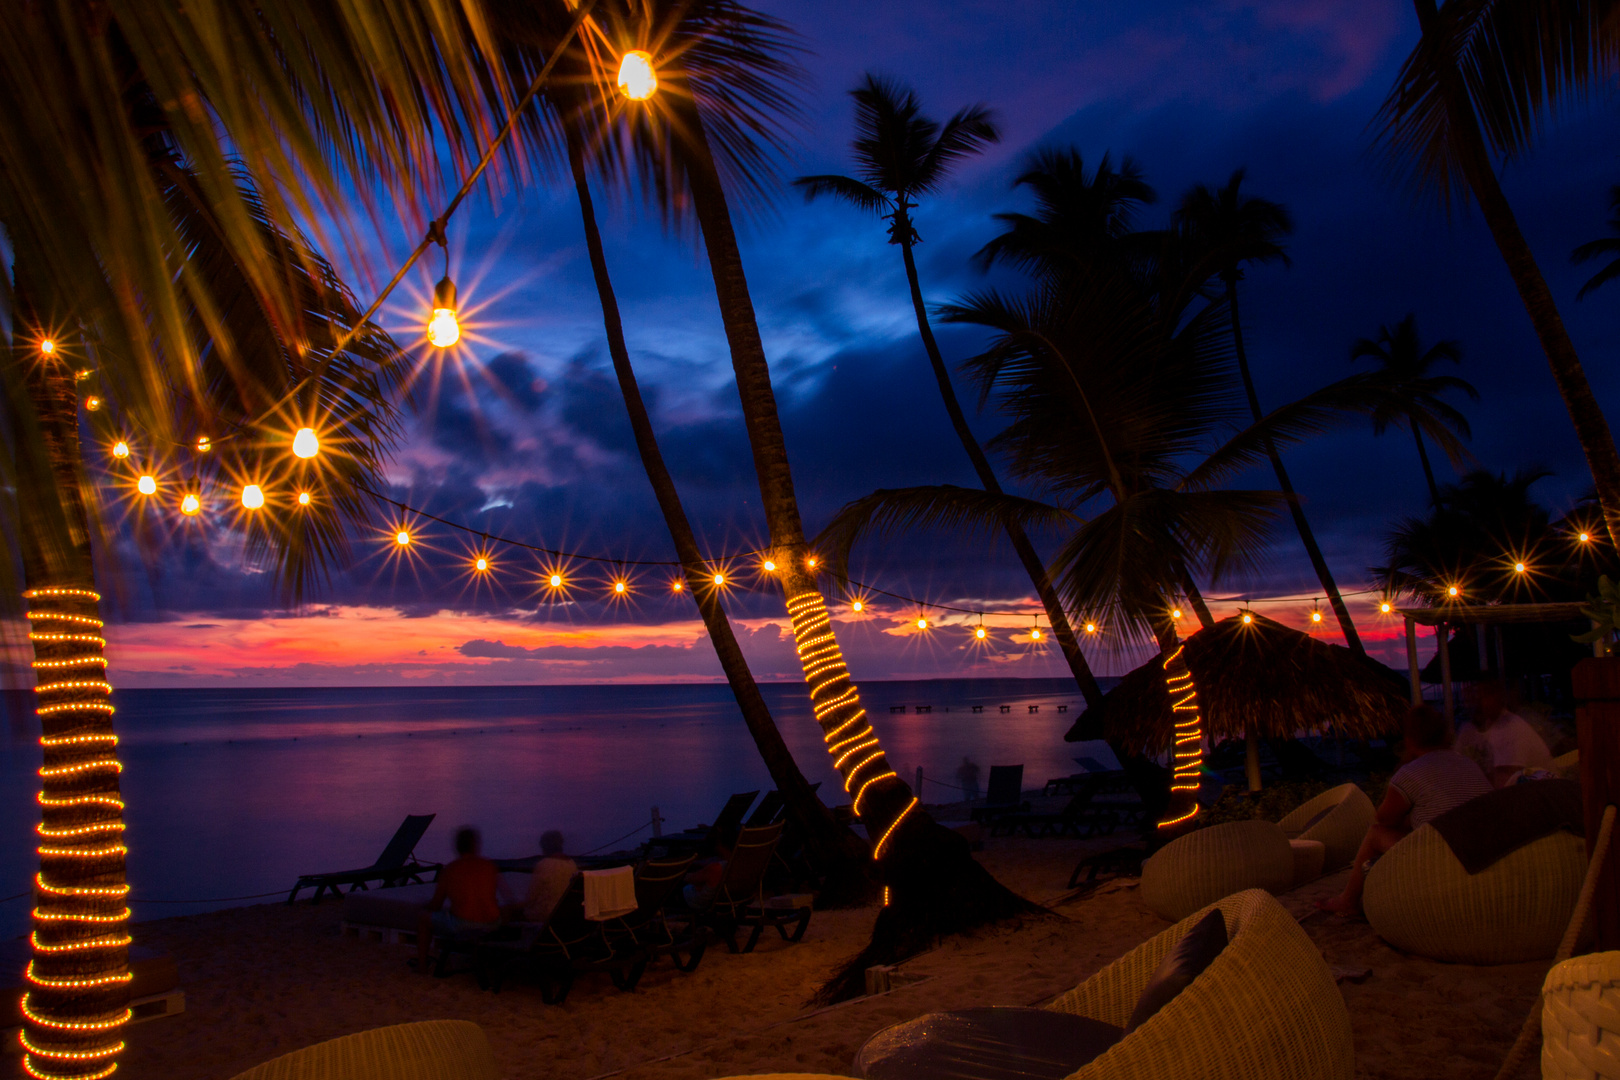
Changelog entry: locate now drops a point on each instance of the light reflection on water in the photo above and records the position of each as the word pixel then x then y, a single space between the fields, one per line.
pixel 236 792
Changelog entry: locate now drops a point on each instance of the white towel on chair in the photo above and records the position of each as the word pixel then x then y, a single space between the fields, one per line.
pixel 610 893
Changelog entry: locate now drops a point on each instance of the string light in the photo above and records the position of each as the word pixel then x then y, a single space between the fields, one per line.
pixel 979 632
pixel 61 590
pixel 770 565
pixel 1586 538
pixel 1316 614
pixel 811 561
pixel 146 485
pixel 1035 632
pixel 1175 613
pixel 48 347
pixel 81 375
pixel 1518 567
pixel 1386 607
pixel 619 587
pixel 305 444
pixel 677 585
pixel 1091 628
pixel 190 505
pixel 858 606
pixel 877 852
pixel 637 79
pixel 71 1055
pixel 92 403
pixel 1247 618
pixel 303 498
pixel 443 329
pixel 253 496
pixel 100 1074
pixel 1453 591
pixel 121 449
pixel 481 564
pixel 402 538
pixel 922 624
pixel 719 579
pixel 204 444
pixel 555 581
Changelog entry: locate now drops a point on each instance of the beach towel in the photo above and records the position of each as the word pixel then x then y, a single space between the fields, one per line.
pixel 1484 829
pixel 610 893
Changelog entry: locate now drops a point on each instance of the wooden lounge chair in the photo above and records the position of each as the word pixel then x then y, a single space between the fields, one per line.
pixel 658 883
pixel 739 900
pixel 1004 794
pixel 768 810
pixel 554 953
pixel 397 865
pixel 702 840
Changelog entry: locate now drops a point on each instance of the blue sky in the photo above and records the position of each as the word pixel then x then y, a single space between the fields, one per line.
pixel 528 437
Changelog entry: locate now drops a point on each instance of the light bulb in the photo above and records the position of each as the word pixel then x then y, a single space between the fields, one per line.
pixel 556 581
pixel 858 606
pixel 204 444
pixel 1386 607
pixel 618 587
pixel 1091 628
pixel 48 347
pixel 305 444
pixel 812 562
pixel 769 565
pixel 677 585
pixel 480 563
pixel 979 633
pixel 1247 618
pixel 253 496
pixel 402 538
pixel 1175 613
pixel 637 79
pixel 303 498
pixel 146 485
pixel 190 504
pixel 922 624
pixel 1586 538
pixel 719 579
pixel 1316 616
pixel 1518 567
pixel 121 449
pixel 443 329
pixel 92 403
pixel 1035 633
pixel 1453 591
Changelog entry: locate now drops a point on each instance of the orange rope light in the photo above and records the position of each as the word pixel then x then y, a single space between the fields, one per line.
pixel 80 800
pixel 877 852
pixel 100 1074
pixel 68 1025
pixel 83 766
pixel 82 706
pixel 72 1055
pixel 58 590
pixel 81 946
pixel 75 984
pixel 114 892
pixel 862 793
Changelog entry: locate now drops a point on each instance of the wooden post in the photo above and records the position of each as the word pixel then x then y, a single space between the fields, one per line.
pixel 1411 661
pixel 1251 759
pixel 1597 727
pixel 1442 634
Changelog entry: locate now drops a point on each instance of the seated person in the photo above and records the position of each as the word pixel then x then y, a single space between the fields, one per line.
pixel 469 885
pixel 1501 739
pixel 1434 779
pixel 548 882
pixel 703 880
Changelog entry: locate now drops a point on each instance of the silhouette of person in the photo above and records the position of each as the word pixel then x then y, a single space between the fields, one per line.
pixel 967 778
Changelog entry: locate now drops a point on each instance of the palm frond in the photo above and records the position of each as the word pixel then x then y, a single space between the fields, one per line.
pixel 857 194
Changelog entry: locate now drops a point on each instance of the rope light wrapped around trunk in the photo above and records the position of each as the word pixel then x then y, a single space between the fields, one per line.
pixel 77 993
pixel 1186 754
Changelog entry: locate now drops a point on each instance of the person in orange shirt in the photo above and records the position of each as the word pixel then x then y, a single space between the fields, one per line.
pixel 469 886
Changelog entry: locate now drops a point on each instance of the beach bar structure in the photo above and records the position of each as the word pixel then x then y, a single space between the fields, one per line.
pixel 1479 616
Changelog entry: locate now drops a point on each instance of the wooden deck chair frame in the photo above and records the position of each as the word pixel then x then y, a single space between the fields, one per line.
pixel 397 865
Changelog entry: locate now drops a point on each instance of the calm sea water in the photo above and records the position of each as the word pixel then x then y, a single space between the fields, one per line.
pixel 232 793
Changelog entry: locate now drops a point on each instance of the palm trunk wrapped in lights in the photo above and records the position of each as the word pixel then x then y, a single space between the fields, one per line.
pixel 1187 754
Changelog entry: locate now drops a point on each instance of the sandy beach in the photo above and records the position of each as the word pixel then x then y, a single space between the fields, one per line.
pixel 263 980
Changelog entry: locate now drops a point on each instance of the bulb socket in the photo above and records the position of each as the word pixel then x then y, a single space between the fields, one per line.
pixel 444 294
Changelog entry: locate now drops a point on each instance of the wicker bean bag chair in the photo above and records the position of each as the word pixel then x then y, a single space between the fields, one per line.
pixel 1421 900
pixel 1196 870
pixel 1266 1007
pixel 1580 1019
pixel 1348 815
pixel 429 1050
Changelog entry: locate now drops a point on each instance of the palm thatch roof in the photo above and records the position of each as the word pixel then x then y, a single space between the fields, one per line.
pixel 1263 673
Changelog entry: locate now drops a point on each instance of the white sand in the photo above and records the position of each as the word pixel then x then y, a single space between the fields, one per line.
pixel 261 981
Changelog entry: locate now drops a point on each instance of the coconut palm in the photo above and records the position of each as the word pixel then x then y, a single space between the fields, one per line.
pixel 156 175
pixel 1603 246
pixel 1411 395
pixel 1079 216
pixel 901 156
pixel 1479 83
pixel 1234 230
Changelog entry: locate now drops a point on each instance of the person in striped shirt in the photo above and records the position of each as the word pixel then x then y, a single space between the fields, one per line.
pixel 1434 778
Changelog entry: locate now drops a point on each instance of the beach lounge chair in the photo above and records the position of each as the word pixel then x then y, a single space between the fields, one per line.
pixel 1003 795
pixel 397 865
pixel 554 953
pixel 658 883
pixel 427 1050
pixel 768 810
pixel 702 840
pixel 739 900
pixel 1082 816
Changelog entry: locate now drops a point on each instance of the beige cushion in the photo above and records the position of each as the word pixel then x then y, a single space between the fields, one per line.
pixel 429 1050
pixel 1349 815
pixel 1198 869
pixel 1308 857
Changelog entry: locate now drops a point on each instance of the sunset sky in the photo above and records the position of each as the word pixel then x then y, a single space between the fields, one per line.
pixel 526 437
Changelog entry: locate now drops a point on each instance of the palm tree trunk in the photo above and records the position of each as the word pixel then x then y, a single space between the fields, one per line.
pixel 1428 470
pixel 1251 737
pixel 1306 536
pixel 1027 555
pixel 1591 428
pixel 933 883
pixel 1186 751
pixel 835 850
pixel 78 979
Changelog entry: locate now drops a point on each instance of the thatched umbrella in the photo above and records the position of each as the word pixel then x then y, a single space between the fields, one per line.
pixel 1259 673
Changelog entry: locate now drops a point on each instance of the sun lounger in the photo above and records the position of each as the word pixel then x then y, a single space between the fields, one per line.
pixel 1003 795
pixel 658 883
pixel 768 810
pixel 554 953
pixel 702 840
pixel 739 900
pixel 397 865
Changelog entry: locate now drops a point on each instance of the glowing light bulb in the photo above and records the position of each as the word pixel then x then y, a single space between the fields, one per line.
pixel 858 606
pixel 1386 607
pixel 677 585
pixel 146 485
pixel 480 564
pixel 922 624
pixel 1247 618
pixel 303 498
pixel 92 403
pixel 618 587
pixel 402 538
pixel 443 329
pixel 637 79
pixel 1091 628
pixel 190 505
pixel 719 579
pixel 1316 616
pixel 1518 567
pixel 770 565
pixel 1453 591
pixel 305 444
pixel 1035 633
pixel 812 561
pixel 121 449
pixel 253 496
pixel 1175 613
pixel 979 633
pixel 556 581
pixel 204 444
pixel 1586 538
pixel 48 347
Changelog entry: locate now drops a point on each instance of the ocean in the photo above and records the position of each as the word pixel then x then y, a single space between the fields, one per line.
pixel 234 793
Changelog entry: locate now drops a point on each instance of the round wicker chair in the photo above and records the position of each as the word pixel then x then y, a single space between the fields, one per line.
pixel 1267 1006
pixel 1421 900
pixel 428 1050
pixel 1580 1019
pixel 1349 814
pixel 1198 869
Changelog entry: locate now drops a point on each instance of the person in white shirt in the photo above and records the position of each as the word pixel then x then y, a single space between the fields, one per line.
pixel 1501 740
pixel 549 879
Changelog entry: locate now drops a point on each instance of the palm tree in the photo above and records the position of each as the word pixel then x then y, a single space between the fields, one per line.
pixel 1478 83
pixel 1235 230
pixel 1606 245
pixel 903 155
pixel 535 30
pixel 1412 395
pixel 175 274
pixel 721 66
pixel 1080 217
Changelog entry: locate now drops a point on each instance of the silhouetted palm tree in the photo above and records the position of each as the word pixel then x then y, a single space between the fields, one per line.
pixel 1412 394
pixel 1235 230
pixel 1480 81
pixel 1079 217
pixel 902 155
pixel 1603 246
